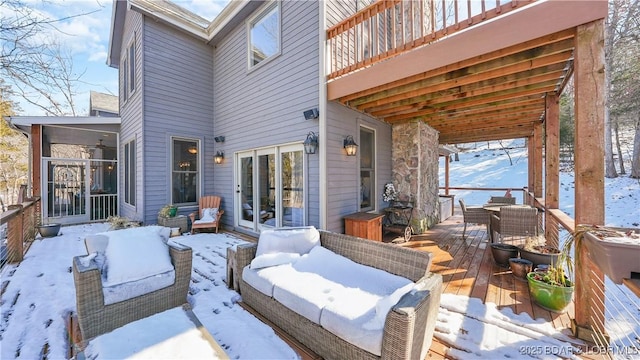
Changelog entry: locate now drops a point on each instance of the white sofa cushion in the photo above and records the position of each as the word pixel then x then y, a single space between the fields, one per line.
pixel 306 293
pixel 264 279
pixel 124 250
pixel 288 240
pixel 349 299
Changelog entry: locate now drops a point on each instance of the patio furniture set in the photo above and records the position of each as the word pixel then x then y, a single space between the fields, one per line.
pixel 388 289
pixel 502 217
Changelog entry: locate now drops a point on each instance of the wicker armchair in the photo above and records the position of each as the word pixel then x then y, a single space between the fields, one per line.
pixel 515 221
pixel 502 200
pixel 474 215
pixel 95 318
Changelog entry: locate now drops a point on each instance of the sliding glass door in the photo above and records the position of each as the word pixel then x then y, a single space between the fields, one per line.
pixel 270 187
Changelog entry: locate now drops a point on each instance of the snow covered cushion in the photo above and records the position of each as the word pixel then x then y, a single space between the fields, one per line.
pixel 384 305
pixel 123 253
pixel 264 279
pixel 266 260
pixel 288 240
pixel 208 215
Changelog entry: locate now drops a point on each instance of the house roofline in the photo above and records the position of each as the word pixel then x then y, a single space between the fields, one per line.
pixel 61 120
pixel 177 19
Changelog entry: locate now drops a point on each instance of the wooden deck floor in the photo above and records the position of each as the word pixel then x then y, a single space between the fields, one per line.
pixel 468 269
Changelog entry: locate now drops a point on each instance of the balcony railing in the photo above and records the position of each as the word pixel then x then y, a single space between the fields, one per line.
pixel 21 221
pixel 610 308
pixel 391 27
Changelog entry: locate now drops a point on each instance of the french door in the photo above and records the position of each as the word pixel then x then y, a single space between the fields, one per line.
pixel 270 188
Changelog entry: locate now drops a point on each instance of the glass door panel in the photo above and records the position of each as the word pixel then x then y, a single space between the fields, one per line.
pixel 292 188
pixel 266 188
pixel 245 190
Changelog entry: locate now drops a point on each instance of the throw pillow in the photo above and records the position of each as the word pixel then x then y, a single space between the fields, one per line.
pixel 208 215
pixel 266 260
pixel 136 253
pixel 288 240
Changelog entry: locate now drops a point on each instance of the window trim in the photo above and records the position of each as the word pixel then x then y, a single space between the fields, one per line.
pixel 125 79
pixel 373 195
pixel 198 172
pixel 130 171
pixel 132 66
pixel 266 8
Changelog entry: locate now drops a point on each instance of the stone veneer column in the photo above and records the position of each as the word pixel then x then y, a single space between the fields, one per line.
pixel 415 171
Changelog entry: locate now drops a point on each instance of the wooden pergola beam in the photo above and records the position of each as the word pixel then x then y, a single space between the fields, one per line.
pixel 589 171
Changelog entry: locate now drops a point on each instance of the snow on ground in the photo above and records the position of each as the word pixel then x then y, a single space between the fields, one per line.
pixel 40 295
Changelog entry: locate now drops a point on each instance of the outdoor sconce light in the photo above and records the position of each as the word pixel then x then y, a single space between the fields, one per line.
pixel 218 157
pixel 311 143
pixel 350 146
pixel 219 139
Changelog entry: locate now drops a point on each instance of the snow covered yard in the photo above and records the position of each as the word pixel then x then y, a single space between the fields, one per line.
pixel 39 294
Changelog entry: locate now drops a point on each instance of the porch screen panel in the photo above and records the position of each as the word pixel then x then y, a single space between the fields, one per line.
pixel 292 188
pixel 184 180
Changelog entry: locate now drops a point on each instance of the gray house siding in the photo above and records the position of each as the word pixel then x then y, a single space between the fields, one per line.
pixel 131 116
pixel 178 102
pixel 343 172
pixel 264 106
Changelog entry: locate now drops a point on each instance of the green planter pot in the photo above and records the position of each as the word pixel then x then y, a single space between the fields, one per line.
pixel 173 212
pixel 551 297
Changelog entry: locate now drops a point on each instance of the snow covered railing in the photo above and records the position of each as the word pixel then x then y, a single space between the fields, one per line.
pixel 21 221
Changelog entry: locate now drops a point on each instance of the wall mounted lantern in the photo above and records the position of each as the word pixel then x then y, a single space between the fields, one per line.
pixel 311 143
pixel 350 146
pixel 219 139
pixel 218 157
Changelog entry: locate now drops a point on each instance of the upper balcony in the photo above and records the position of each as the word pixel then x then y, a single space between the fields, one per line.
pixel 474 70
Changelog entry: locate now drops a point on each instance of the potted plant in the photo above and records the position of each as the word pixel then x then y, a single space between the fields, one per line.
pixel 552 288
pixel 168 211
pixel 536 251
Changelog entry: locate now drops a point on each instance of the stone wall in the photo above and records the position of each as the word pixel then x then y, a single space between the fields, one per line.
pixel 415 171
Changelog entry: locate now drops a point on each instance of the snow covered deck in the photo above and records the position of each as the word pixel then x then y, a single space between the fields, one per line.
pixel 468 269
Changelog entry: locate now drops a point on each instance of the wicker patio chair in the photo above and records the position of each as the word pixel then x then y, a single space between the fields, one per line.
pixel 95 318
pixel 516 222
pixel 207 202
pixel 473 215
pixel 503 200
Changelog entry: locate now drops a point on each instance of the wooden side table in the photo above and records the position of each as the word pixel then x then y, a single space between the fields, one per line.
pixel 179 221
pixel 364 225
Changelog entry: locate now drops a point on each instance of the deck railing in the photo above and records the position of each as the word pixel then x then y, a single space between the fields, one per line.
pixel 21 221
pixel 611 309
pixel 391 27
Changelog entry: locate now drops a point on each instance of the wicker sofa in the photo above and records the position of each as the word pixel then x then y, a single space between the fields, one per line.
pixel 409 325
pixel 95 316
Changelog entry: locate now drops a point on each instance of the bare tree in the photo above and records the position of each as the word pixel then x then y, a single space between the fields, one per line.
pixel 621 30
pixel 39 68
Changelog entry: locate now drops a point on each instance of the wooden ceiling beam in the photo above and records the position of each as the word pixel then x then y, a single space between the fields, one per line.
pixel 527 45
pixel 553 54
pixel 481 122
pixel 470 91
pixel 484 135
pixel 509 104
pixel 548 64
pixel 490 112
pixel 418 112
